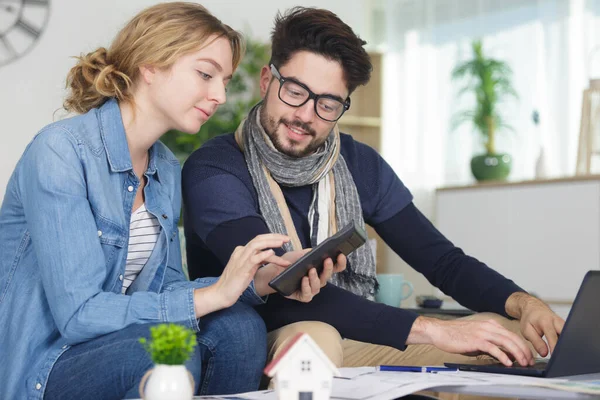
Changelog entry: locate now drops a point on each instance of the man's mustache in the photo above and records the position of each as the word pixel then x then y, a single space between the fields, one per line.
pixel 299 124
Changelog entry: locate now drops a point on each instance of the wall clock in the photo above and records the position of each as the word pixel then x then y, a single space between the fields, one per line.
pixel 22 22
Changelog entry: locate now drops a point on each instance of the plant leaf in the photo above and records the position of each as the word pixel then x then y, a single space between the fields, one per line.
pixel 490 82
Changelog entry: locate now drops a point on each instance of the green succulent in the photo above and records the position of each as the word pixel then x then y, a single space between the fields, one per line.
pixel 170 344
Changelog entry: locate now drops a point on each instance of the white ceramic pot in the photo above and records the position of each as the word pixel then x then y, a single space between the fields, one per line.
pixel 167 382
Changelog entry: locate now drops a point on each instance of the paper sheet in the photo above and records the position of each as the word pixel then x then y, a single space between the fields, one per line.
pixel 351 373
pixel 366 383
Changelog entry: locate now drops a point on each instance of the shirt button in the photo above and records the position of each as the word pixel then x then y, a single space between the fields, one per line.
pixel 130 188
pixel 38 386
pixel 120 277
pixel 99 233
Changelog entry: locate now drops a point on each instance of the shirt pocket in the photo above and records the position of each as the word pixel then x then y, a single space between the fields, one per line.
pixel 112 238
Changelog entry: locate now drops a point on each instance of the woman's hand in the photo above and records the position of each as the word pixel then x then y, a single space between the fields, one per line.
pixel 243 264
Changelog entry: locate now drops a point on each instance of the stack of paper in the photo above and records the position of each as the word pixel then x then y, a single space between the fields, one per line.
pixel 366 383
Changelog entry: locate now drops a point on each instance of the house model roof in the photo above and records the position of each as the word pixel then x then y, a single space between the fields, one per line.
pixel 292 349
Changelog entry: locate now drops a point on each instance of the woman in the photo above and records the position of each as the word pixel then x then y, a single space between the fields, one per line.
pixel 88 226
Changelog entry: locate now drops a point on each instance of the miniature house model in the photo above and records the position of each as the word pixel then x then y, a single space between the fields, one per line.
pixel 302 371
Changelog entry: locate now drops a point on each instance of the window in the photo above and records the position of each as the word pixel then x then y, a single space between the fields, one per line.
pixel 305 366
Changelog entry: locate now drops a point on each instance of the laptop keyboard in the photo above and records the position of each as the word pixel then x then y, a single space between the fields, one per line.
pixel 539 365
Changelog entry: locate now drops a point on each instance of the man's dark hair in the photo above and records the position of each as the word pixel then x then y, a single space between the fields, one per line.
pixel 321 32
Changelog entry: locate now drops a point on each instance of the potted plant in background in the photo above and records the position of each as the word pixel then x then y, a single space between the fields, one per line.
pixel 490 81
pixel 243 92
pixel 170 346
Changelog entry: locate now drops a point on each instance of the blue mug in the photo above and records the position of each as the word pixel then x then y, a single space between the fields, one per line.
pixel 393 289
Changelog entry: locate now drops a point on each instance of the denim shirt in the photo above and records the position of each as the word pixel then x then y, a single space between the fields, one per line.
pixel 64 232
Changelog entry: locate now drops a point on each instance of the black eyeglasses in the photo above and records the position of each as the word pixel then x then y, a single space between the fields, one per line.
pixel 296 94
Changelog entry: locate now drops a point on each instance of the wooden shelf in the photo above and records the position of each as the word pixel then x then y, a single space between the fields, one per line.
pixel 363 122
pixel 353 120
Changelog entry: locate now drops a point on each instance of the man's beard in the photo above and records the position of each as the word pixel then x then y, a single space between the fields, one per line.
pixel 270 126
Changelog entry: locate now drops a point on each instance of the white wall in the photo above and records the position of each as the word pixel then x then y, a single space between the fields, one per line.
pixel 32 87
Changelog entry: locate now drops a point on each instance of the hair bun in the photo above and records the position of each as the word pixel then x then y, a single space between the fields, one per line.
pixel 93 80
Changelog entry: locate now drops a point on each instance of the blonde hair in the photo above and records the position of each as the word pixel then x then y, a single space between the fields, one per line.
pixel 157 36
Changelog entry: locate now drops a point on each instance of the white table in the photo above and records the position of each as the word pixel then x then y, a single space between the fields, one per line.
pixel 520 392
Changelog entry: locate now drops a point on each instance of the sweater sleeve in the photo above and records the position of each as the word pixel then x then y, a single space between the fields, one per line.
pixel 353 316
pixel 469 281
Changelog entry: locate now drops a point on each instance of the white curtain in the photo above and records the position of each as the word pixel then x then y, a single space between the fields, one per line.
pixel 547 43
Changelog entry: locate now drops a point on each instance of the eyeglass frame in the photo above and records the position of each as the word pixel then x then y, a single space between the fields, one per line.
pixel 311 95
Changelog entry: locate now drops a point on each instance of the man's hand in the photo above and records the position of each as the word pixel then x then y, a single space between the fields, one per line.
pixel 470 338
pixel 311 284
pixel 537 320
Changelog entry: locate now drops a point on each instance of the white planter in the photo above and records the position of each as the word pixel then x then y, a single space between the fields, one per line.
pixel 167 382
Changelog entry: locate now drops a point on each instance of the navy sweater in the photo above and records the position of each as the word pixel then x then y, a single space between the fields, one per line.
pixel 221 212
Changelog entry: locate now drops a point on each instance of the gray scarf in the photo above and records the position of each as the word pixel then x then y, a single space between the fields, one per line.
pixel 335 200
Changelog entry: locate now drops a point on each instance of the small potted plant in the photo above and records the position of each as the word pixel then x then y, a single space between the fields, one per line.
pixel 170 346
pixel 489 80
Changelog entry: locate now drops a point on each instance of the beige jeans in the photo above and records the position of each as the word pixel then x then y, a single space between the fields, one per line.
pixel 350 353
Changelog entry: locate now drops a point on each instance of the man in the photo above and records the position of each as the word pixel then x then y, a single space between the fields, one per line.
pixel 287 169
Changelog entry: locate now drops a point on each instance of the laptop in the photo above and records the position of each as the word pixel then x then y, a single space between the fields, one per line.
pixel 577 351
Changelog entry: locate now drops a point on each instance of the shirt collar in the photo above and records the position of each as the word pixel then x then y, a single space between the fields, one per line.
pixel 114 139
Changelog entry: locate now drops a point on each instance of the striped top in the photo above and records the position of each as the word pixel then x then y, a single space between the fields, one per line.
pixel 143 234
